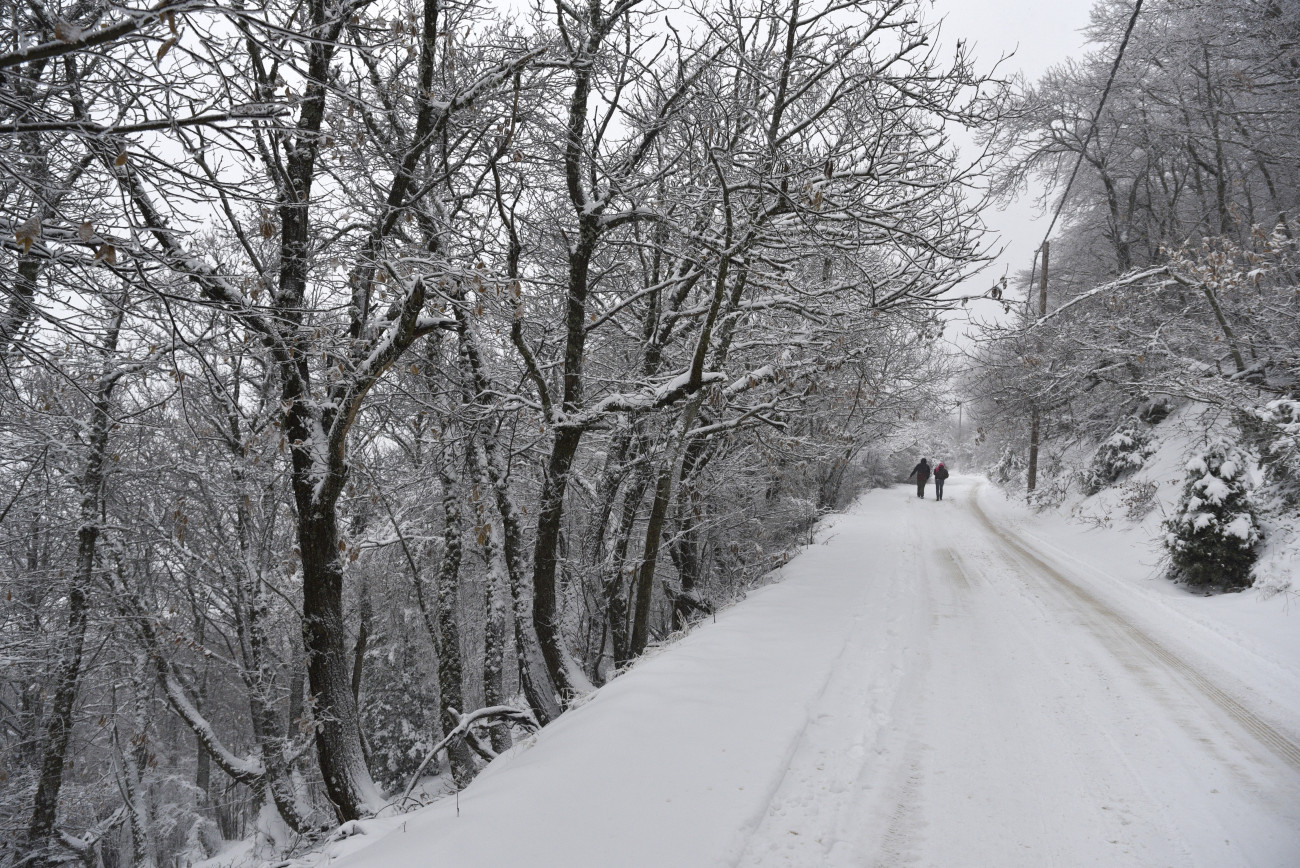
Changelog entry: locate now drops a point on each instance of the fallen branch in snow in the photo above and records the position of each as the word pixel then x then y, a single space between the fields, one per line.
pixel 83 846
pixel 515 715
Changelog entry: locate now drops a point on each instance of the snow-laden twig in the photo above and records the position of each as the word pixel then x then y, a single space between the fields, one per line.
pixel 74 41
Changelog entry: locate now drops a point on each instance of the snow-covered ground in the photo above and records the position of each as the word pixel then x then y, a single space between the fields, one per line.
pixel 1157 486
pixel 955 683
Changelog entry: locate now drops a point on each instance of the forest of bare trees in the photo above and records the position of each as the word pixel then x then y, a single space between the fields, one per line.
pixel 1173 280
pixel 375 372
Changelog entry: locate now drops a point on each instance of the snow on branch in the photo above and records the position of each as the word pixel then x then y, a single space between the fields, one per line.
pixel 405 323
pixel 427 323
pixel 494 712
pixel 765 374
pixel 249 771
pixel 245 770
pixel 646 399
pixel 211 282
pixel 756 412
pixel 84 845
pixel 1129 280
pixel 255 111
pixel 71 40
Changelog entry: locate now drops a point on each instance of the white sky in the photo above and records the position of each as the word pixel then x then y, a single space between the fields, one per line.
pixel 1041 33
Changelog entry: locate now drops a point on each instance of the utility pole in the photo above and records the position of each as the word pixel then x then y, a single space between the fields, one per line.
pixel 1032 475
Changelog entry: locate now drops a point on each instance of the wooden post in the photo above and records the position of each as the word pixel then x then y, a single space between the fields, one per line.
pixel 1031 480
pixel 1032 475
pixel 1042 282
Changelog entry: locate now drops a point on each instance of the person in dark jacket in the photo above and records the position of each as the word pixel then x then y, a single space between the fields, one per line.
pixel 940 474
pixel 922 473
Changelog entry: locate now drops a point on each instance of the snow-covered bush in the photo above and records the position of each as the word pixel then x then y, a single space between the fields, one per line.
pixel 1123 452
pixel 1275 430
pixel 1010 468
pixel 395 710
pixel 1212 537
pixel 1053 482
pixel 1139 499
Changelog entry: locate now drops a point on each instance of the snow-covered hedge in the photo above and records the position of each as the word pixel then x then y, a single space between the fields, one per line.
pixel 1212 537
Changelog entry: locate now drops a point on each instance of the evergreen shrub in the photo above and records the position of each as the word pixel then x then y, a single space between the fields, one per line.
pixel 1122 453
pixel 1212 537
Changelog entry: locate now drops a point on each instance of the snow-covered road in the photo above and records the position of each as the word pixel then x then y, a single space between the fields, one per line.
pixel 928 685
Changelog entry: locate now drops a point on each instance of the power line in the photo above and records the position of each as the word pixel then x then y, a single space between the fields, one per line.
pixel 1092 130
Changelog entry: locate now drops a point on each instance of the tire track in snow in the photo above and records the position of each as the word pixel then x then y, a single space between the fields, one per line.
pixel 1260 730
pixel 905 824
pixel 990 566
pixel 957 572
pixel 794 778
pixel 837 765
pixel 897 843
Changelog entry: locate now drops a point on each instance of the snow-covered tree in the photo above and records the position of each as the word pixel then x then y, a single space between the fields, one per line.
pixel 1010 467
pixel 1120 454
pixel 1211 538
pixel 1174 268
pixel 1197 138
pixel 484 352
pixel 1275 431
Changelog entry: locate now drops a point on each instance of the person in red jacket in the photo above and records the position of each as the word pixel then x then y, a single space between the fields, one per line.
pixel 940 474
pixel 922 473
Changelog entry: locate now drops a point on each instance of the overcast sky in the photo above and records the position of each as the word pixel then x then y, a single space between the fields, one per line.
pixel 1040 33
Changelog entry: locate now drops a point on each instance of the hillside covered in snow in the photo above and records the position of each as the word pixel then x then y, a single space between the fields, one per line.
pixel 941 683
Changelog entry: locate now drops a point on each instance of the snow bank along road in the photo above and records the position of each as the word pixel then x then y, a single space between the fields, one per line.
pixel 925 686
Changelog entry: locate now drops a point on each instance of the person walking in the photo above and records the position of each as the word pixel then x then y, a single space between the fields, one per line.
pixel 940 474
pixel 922 473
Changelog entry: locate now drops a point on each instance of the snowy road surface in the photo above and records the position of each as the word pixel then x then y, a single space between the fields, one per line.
pixel 926 686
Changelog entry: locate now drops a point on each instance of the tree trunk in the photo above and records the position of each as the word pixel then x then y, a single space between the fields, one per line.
pixel 685 549
pixel 338 732
pixel 1031 475
pixel 59 723
pixel 359 648
pixel 317 479
pixel 1118 226
pixel 58 728
pixel 489 465
pixel 251 613
pixel 655 525
pixel 21 308
pixel 545 559
pixel 644 592
pixel 494 627
pixel 567 437
pixel 612 475
pixel 203 779
pixel 451 695
pixel 618 578
pixel 135 759
pixel 1237 358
